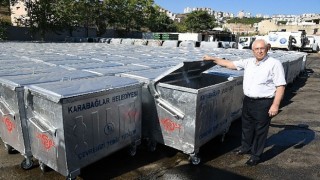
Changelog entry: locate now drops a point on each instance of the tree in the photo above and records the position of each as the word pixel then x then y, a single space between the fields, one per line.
pixel 91 13
pixel 128 14
pixel 67 15
pixel 4 20
pixel 3 5
pixel 199 20
pixel 3 29
pixel 181 27
pixel 6 3
pixel 42 17
pixel 160 22
pixel 100 16
pixel 245 20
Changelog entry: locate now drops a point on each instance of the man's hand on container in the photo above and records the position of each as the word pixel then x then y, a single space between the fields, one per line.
pixel 207 58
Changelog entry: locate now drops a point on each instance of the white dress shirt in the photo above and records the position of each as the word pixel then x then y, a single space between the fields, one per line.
pixel 261 78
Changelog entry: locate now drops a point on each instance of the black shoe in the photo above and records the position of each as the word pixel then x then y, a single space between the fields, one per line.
pixel 252 162
pixel 240 152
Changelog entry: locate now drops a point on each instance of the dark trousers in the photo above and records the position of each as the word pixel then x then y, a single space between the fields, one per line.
pixel 255 125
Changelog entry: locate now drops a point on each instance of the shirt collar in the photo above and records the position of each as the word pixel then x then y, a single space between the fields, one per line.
pixel 259 62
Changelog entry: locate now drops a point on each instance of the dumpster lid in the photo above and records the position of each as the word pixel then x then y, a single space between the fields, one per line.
pixel 55 91
pixel 22 80
pixel 145 75
pixel 184 70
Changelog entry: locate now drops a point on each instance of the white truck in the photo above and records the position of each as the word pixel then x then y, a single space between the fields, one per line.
pixel 287 40
pixel 278 40
pixel 312 45
pixel 245 42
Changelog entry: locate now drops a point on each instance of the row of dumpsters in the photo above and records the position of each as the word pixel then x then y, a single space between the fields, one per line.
pixel 69 105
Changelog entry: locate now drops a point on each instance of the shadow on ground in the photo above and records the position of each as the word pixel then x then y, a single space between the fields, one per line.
pixel 296 136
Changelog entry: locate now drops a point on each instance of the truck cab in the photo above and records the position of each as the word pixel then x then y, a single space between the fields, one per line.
pixel 245 42
pixel 311 44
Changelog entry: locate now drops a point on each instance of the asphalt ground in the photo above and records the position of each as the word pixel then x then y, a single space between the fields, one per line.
pixel 292 152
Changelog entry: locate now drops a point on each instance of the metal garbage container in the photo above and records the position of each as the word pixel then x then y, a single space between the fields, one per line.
pixel 237 95
pixel 73 124
pixel 13 125
pixel 192 107
pixel 149 112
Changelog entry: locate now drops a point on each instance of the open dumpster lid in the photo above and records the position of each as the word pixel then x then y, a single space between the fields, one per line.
pixel 181 71
pixel 184 70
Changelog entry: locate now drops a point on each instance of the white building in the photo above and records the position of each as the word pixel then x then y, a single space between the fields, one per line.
pixel 189 10
pixel 19 13
pixel 240 14
pixel 171 15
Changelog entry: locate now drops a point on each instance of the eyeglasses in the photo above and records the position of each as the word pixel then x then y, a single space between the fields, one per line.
pixel 259 49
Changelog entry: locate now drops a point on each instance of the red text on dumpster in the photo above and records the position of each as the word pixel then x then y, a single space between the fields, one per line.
pixel 9 124
pixel 45 141
pixel 169 125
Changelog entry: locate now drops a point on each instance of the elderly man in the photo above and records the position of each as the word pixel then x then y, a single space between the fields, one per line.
pixel 263 86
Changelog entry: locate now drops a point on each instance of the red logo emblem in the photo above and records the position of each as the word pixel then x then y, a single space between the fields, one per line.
pixel 9 124
pixel 45 141
pixel 169 125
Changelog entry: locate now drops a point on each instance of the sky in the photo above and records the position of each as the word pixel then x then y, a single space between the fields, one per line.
pixel 264 7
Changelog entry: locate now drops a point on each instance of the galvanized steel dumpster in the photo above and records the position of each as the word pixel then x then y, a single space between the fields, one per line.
pixel 73 124
pixel 13 125
pixel 237 95
pixel 192 107
pixel 149 112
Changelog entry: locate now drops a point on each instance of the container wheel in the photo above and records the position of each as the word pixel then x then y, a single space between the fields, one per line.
pixel 132 150
pixel 43 167
pixel 152 146
pixel 10 149
pixel 223 137
pixel 70 178
pixel 27 164
pixel 194 159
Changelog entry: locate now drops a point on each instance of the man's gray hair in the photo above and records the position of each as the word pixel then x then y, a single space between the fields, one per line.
pixel 255 41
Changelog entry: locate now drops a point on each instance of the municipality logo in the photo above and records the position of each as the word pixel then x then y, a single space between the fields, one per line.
pixel 273 37
pixel 283 40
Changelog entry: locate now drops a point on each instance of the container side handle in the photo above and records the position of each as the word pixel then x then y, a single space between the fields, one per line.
pixel 42 126
pixel 5 114
pixel 5 110
pixel 170 108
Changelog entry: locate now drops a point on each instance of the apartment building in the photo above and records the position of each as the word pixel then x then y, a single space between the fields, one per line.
pixel 19 13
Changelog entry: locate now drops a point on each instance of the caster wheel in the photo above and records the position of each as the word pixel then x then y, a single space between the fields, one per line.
pixel 26 164
pixel 43 167
pixel 132 150
pixel 194 159
pixel 152 146
pixel 10 149
pixel 222 138
pixel 71 178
